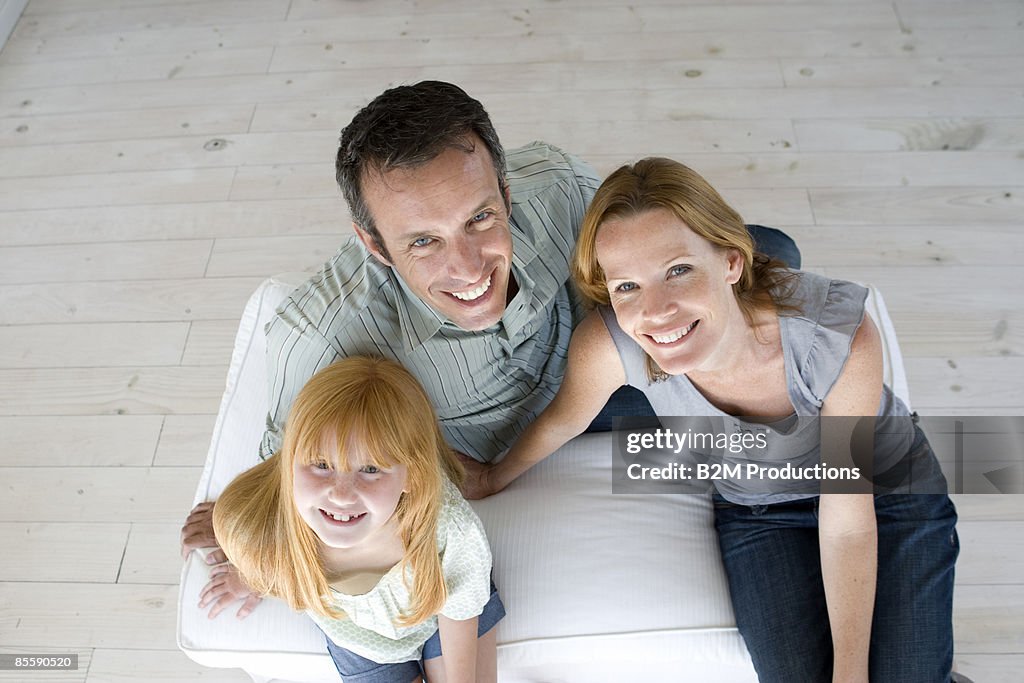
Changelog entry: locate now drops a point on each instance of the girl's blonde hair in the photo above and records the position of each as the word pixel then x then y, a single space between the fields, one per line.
pixel 366 400
pixel 660 183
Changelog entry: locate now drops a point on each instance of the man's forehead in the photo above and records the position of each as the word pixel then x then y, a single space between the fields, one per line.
pixel 452 190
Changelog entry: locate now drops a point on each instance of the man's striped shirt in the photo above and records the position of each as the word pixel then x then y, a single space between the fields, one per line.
pixel 486 386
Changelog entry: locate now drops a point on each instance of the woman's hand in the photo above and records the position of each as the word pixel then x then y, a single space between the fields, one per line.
pixel 225 587
pixel 849 567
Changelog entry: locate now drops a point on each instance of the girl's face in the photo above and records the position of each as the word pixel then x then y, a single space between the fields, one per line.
pixel 347 509
pixel 671 289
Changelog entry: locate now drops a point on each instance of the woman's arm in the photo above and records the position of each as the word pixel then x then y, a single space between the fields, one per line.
pixel 593 373
pixel 846 521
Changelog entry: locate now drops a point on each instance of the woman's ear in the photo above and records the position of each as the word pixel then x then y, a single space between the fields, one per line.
pixel 734 261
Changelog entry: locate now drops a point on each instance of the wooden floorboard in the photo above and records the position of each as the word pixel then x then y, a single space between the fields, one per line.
pixel 159 159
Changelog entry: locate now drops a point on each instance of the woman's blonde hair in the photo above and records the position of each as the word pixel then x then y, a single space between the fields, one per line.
pixel 379 405
pixel 660 183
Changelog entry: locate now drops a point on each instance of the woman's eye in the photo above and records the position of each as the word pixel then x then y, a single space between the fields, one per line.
pixel 625 287
pixel 678 270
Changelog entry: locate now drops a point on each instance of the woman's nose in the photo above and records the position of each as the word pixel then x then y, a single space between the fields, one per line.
pixel 658 304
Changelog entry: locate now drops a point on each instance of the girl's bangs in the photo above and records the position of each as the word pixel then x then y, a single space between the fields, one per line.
pixel 356 432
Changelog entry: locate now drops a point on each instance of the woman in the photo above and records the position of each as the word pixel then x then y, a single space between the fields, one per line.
pixel 837 586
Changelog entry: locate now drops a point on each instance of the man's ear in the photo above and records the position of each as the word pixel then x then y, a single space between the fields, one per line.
pixel 370 244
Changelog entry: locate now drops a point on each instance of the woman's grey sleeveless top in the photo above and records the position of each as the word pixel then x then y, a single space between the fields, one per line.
pixel 816 343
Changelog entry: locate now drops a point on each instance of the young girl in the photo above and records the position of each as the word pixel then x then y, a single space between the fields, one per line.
pixel 358 522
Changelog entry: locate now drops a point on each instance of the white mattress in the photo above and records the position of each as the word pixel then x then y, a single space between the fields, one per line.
pixel 598 587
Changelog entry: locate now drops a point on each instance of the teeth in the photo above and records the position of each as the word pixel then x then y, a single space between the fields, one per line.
pixel 341 518
pixel 473 293
pixel 669 338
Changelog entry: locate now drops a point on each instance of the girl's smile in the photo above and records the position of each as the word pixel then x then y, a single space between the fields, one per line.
pixel 343 518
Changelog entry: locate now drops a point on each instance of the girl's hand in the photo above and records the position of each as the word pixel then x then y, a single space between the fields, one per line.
pixel 226 586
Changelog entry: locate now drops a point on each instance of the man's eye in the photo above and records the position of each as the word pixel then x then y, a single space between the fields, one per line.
pixel 423 241
pixel 678 270
pixel 482 216
pixel 625 287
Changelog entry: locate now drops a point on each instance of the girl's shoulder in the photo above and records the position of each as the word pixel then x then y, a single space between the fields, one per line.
pixel 460 533
pixel 456 516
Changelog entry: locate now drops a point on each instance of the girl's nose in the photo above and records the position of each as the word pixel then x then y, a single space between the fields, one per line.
pixel 343 489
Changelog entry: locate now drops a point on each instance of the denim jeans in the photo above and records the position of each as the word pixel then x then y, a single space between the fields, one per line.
pixel 771 557
pixel 775 243
pixel 630 402
pixel 355 668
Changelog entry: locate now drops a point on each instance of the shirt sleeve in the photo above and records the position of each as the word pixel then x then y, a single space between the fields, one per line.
pixel 588 181
pixel 465 562
pixel 296 350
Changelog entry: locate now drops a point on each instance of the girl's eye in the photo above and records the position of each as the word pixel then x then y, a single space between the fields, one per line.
pixel 322 465
pixel 678 270
pixel 625 287
pixel 370 469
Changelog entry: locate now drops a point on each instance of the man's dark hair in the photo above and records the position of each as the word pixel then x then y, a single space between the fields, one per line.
pixel 406 127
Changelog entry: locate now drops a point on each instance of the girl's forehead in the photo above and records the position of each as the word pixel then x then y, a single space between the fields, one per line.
pixel 354 451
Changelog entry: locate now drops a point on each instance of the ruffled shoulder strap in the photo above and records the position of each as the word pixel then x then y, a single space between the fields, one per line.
pixel 818 337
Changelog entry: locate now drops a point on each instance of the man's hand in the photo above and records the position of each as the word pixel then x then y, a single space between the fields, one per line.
pixel 477 483
pixel 226 586
pixel 198 533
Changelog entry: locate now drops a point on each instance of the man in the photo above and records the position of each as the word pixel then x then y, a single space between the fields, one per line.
pixel 459 270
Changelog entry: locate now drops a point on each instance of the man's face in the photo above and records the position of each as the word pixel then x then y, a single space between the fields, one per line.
pixel 445 228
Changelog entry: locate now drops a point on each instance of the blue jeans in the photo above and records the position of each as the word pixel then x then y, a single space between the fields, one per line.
pixel 775 243
pixel 358 669
pixel 630 402
pixel 771 557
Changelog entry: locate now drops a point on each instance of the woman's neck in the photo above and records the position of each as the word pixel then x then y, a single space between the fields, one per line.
pixel 745 343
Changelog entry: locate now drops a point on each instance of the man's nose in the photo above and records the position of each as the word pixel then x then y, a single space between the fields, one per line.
pixel 465 260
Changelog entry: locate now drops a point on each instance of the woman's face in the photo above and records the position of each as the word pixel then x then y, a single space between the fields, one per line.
pixel 671 289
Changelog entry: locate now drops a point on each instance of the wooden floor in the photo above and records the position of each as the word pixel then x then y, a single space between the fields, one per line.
pixel 158 159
